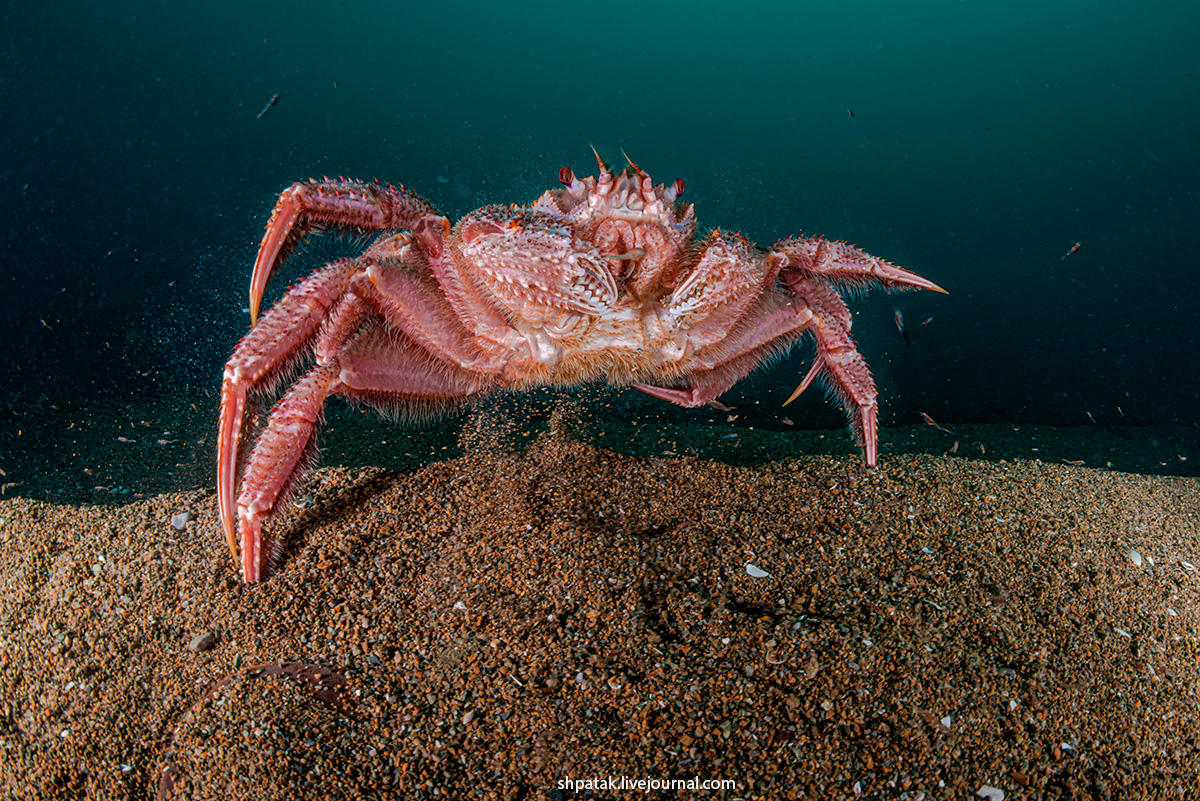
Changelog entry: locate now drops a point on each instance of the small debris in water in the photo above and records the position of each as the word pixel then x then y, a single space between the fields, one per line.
pixel 755 571
pixel 274 99
pixel 179 522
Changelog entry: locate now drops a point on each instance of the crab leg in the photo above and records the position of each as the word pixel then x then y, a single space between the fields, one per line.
pixel 276 462
pixel 764 330
pixel 392 374
pixel 413 302
pixel 838 359
pixel 263 354
pixel 771 326
pixel 843 262
pixel 340 203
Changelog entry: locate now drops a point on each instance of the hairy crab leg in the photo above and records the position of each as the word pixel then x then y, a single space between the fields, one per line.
pixel 340 203
pixel 277 462
pixel 842 262
pixel 395 375
pixel 266 353
pixel 839 360
pixel 413 302
pixel 817 307
pixel 772 325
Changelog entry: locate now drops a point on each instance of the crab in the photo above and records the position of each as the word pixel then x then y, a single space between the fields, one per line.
pixel 603 279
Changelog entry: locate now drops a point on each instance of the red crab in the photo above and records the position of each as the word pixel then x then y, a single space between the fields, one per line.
pixel 602 279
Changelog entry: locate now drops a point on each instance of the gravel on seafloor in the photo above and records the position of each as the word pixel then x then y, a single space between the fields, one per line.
pixel 490 626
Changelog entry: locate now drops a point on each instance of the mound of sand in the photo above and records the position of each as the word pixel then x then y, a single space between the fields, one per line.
pixel 493 625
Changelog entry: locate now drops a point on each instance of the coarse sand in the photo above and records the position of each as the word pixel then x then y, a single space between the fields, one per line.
pixel 496 624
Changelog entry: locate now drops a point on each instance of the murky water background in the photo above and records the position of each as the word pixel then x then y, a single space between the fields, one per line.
pixel 972 144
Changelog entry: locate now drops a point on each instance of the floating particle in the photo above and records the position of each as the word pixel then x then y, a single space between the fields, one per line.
pixel 274 99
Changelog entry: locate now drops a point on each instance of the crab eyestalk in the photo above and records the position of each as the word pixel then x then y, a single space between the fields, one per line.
pixel 575 187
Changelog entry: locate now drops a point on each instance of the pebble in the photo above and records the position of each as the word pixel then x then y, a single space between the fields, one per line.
pixel 179 522
pixel 202 642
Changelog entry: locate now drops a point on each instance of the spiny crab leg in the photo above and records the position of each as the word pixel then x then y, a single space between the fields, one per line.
pixel 843 262
pixel 341 203
pixel 271 347
pixel 838 359
pixel 278 460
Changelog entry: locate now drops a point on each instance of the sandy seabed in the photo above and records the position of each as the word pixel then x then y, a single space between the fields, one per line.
pixel 489 626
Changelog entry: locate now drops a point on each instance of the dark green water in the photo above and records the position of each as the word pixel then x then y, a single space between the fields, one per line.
pixel 985 139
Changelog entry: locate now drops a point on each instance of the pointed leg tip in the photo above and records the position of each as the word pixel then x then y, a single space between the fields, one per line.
pixel 230 536
pixel 870 435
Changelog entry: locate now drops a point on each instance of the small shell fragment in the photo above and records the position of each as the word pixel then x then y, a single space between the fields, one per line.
pixel 1135 557
pixel 755 571
pixel 990 793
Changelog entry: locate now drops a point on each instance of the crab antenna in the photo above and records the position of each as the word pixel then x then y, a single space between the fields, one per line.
pixel 636 168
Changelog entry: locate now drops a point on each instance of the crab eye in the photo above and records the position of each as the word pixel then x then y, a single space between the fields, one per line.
pixel 566 176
